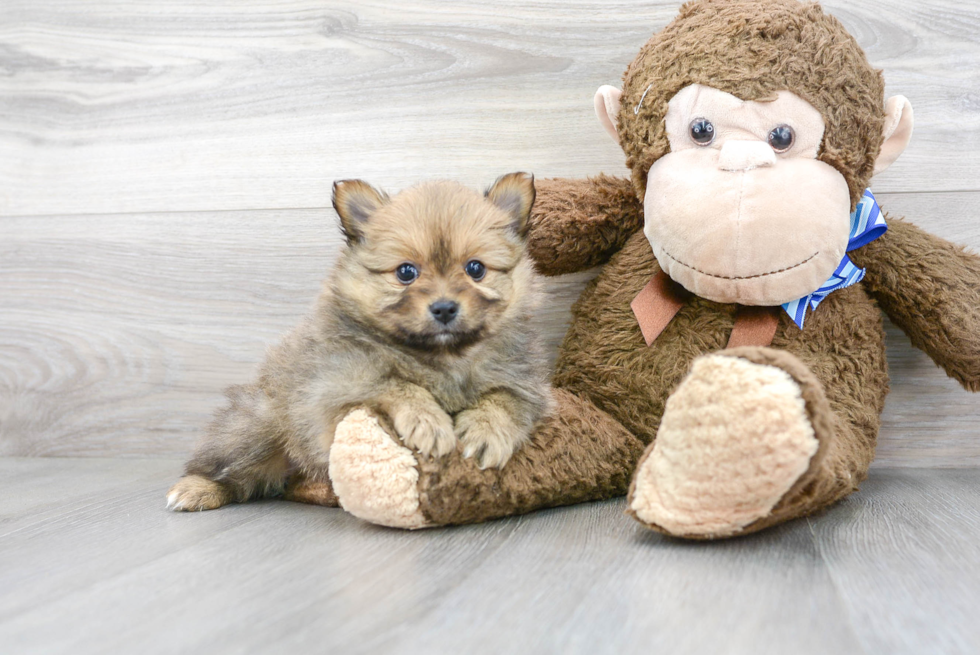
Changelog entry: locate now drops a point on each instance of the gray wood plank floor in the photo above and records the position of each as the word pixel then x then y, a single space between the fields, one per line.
pixel 90 562
pixel 222 104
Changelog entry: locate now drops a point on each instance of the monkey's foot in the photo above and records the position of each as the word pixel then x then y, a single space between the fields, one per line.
pixel 374 476
pixel 194 493
pixel 739 438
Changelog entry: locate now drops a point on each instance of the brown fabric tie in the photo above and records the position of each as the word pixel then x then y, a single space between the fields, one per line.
pixel 754 326
pixel 660 300
pixel 657 304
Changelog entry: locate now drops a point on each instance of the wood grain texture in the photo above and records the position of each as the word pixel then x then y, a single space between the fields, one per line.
pixel 133 106
pixel 904 551
pixel 90 562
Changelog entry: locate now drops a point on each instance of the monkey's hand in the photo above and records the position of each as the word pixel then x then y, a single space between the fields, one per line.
pixel 930 288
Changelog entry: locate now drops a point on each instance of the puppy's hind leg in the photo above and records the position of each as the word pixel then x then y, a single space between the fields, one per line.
pixel 241 456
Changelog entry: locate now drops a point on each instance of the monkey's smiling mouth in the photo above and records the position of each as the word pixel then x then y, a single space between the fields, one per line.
pixel 739 277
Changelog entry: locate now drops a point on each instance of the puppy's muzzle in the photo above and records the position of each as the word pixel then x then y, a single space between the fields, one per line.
pixel 444 311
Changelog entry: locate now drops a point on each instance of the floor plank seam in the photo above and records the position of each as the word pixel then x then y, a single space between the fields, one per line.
pixel 329 208
pixel 58 515
pixel 835 583
pixel 406 623
pixel 87 588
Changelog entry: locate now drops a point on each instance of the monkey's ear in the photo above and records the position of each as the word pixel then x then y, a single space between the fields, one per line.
pixel 355 201
pixel 514 193
pixel 606 102
pixel 898 131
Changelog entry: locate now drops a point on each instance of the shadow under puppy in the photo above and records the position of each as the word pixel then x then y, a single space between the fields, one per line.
pixel 424 319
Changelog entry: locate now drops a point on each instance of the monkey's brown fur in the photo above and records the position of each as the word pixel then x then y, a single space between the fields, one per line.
pixel 372 341
pixel 611 388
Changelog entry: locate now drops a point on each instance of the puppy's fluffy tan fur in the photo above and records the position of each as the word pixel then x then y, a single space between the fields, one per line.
pixel 373 340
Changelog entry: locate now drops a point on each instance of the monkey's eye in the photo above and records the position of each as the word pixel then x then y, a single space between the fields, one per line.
pixel 406 273
pixel 702 131
pixel 475 269
pixel 781 138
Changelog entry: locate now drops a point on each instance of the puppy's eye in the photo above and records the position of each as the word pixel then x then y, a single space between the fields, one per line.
pixel 406 273
pixel 702 131
pixel 475 269
pixel 781 138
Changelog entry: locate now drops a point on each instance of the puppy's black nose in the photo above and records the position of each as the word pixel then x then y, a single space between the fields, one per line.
pixel 444 311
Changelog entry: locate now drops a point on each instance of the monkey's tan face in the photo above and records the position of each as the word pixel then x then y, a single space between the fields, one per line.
pixel 741 210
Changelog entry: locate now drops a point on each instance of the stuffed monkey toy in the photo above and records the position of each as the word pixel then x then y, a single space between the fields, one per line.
pixel 726 369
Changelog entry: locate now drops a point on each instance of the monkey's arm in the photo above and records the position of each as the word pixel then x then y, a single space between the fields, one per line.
pixel 577 224
pixel 930 288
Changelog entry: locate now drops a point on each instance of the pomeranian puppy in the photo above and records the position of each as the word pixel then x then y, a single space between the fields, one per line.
pixel 424 319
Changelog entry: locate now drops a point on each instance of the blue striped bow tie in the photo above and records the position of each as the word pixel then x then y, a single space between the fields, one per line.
pixel 867 224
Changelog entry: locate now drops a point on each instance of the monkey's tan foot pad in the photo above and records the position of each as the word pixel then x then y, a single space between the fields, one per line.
pixel 737 436
pixel 194 493
pixel 374 476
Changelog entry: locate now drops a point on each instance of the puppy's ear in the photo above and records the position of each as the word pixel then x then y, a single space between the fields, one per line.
pixel 355 201
pixel 514 193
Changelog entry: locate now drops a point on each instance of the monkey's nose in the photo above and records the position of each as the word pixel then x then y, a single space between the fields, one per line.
pixel 444 311
pixel 745 155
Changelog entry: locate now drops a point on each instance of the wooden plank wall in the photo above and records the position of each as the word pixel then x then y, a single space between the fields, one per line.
pixel 165 173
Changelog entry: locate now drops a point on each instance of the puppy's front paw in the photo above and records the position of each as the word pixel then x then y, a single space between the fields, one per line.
pixel 194 493
pixel 490 438
pixel 428 430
